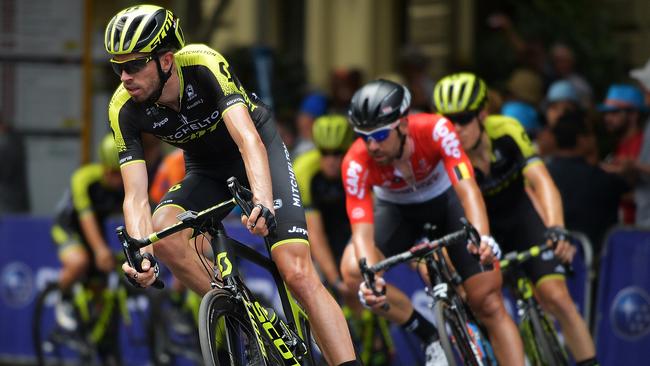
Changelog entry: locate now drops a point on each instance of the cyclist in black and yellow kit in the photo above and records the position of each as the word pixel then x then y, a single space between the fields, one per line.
pixel 505 162
pixel 319 178
pixel 189 97
pixel 95 193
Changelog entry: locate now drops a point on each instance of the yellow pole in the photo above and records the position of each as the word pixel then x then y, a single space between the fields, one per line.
pixel 86 89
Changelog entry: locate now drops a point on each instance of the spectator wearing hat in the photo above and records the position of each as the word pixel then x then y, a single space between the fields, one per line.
pixel 590 196
pixel 525 113
pixel 642 187
pixel 563 63
pixel 313 106
pixel 622 111
pixel 562 98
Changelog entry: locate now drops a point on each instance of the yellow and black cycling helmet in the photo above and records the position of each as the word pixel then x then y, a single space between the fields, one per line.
pixel 332 132
pixel 459 93
pixel 107 152
pixel 143 28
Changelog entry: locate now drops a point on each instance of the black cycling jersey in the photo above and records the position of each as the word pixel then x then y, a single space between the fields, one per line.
pixel 514 222
pixel 328 197
pixel 87 193
pixel 511 153
pixel 208 88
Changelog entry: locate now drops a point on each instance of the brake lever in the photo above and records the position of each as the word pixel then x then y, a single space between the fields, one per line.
pixel 369 279
pixel 242 195
pixel 134 257
pixel 475 239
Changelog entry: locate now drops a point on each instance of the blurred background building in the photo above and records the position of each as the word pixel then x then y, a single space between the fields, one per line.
pixel 55 81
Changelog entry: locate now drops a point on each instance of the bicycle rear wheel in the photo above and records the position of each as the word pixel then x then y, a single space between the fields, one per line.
pixel 227 335
pixel 548 349
pixel 454 339
pixel 53 344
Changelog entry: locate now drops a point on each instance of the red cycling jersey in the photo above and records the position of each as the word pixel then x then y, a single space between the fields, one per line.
pixel 437 162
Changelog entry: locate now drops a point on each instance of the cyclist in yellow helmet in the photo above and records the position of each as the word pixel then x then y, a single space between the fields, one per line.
pixel 95 193
pixel 505 162
pixel 189 97
pixel 319 178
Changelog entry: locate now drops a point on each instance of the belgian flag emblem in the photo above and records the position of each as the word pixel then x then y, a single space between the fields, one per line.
pixel 461 171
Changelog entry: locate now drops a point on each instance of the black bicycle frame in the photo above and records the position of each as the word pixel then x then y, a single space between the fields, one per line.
pixel 226 250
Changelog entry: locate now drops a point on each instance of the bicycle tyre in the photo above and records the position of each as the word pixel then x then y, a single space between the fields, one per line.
pixel 227 336
pixel 52 344
pixel 175 337
pixel 454 339
pixel 545 336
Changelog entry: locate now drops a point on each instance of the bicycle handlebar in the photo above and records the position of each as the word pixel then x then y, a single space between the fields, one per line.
pixel 516 258
pixel 131 246
pixel 467 233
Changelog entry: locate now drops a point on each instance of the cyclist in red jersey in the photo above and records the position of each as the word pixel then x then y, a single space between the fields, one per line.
pixel 419 173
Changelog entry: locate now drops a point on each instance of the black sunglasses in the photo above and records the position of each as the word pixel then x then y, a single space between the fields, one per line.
pixel 461 119
pixel 132 66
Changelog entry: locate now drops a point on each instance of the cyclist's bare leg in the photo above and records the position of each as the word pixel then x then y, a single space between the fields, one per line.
pixel 178 254
pixel 484 297
pixel 400 308
pixel 325 315
pixel 554 297
pixel 75 261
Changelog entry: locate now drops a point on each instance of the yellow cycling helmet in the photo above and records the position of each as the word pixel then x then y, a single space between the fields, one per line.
pixel 143 28
pixel 107 152
pixel 332 132
pixel 459 93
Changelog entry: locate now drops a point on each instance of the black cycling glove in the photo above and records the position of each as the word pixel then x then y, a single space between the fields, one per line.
pixel 556 234
pixel 154 265
pixel 271 223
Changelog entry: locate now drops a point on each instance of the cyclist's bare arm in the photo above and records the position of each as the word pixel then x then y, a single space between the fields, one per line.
pixel 137 214
pixel 363 239
pixel 243 132
pixel 550 202
pixel 102 254
pixel 320 246
pixel 546 193
pixel 472 201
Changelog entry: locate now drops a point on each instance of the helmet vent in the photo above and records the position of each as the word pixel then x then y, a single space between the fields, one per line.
pixel 130 31
pixel 149 29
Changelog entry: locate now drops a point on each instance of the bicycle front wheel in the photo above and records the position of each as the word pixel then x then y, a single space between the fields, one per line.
pixel 454 339
pixel 227 335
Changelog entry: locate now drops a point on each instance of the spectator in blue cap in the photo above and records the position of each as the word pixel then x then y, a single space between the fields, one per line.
pixel 622 113
pixel 525 113
pixel 561 99
pixel 313 106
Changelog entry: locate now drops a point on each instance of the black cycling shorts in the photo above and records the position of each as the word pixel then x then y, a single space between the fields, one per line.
pixel 66 237
pixel 398 227
pixel 205 186
pixel 519 228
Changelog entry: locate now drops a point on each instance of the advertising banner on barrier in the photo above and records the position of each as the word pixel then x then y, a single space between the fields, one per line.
pixel 623 308
pixel 29 262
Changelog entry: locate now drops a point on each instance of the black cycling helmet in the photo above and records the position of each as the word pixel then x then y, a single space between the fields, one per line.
pixel 378 103
pixel 143 28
